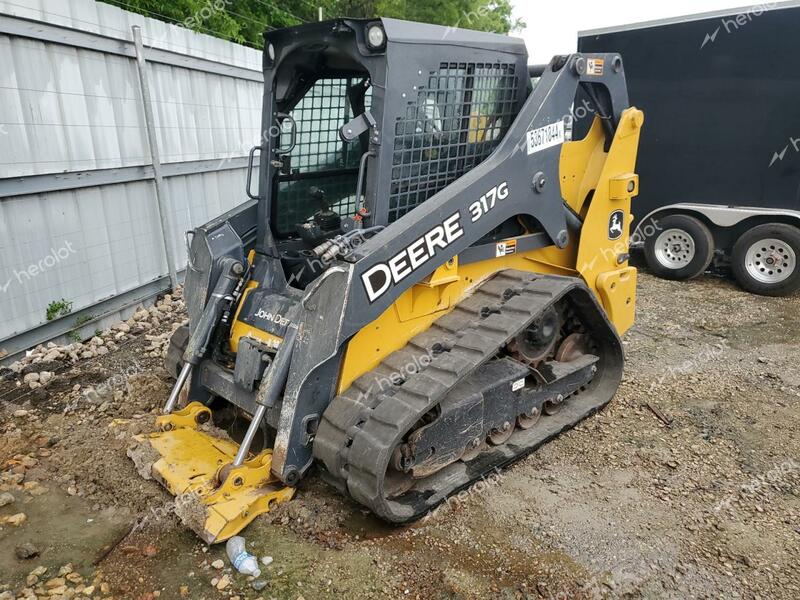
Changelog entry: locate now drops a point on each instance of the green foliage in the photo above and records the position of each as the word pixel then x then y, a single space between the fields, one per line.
pixel 245 21
pixel 82 320
pixel 75 336
pixel 58 308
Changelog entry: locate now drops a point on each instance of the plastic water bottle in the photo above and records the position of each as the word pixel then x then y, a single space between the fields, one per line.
pixel 241 560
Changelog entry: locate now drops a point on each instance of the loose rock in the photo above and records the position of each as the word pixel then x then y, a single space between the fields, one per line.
pixel 223 582
pixel 14 520
pixel 26 551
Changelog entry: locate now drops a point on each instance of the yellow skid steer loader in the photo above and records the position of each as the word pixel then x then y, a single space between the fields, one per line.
pixel 429 283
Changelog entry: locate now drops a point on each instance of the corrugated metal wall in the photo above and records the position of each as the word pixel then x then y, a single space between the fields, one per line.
pixel 78 213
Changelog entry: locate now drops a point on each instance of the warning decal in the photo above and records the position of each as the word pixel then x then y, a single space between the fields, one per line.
pixel 594 66
pixel 506 248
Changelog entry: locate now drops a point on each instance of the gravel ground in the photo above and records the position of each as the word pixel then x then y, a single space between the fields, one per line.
pixel 686 486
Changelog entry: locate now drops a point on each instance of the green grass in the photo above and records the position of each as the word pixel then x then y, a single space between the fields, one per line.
pixel 58 308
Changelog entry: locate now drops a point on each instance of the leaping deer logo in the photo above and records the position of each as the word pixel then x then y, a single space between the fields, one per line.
pixel 615 225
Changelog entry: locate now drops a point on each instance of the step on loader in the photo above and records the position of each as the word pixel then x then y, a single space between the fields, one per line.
pixel 428 283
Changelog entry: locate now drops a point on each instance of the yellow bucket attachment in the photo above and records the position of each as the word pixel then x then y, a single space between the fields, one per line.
pixel 188 461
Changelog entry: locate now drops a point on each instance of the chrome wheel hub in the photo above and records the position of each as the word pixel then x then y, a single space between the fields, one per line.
pixel 770 261
pixel 674 249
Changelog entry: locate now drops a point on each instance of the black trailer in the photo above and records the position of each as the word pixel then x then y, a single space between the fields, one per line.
pixel 719 158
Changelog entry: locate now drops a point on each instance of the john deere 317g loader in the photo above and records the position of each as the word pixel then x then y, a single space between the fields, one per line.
pixel 429 282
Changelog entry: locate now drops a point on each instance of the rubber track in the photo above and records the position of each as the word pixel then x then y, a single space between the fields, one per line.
pixel 361 427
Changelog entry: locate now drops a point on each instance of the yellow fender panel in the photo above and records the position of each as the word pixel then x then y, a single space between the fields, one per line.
pixel 617 291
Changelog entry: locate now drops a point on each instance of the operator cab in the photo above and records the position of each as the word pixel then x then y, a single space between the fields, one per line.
pixel 352 150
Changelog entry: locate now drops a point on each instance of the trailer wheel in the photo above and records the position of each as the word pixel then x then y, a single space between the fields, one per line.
pixel 765 260
pixel 681 249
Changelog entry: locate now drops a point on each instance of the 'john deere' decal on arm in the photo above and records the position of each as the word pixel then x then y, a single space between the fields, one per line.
pixel 615 222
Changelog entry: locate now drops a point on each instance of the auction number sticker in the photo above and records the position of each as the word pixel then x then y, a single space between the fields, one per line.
pixel 546 137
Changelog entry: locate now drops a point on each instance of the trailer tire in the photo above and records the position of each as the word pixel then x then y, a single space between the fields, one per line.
pixel 764 259
pixel 177 345
pixel 682 248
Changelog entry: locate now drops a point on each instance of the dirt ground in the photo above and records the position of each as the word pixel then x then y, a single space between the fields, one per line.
pixel 686 486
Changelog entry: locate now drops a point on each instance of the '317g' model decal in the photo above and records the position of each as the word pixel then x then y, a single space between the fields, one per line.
pixel 488 201
pixel 379 278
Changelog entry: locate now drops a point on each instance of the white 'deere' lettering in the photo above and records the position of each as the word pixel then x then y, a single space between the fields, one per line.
pixel 379 278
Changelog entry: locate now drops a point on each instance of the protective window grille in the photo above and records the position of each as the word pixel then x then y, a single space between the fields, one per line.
pixel 455 123
pixel 320 159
